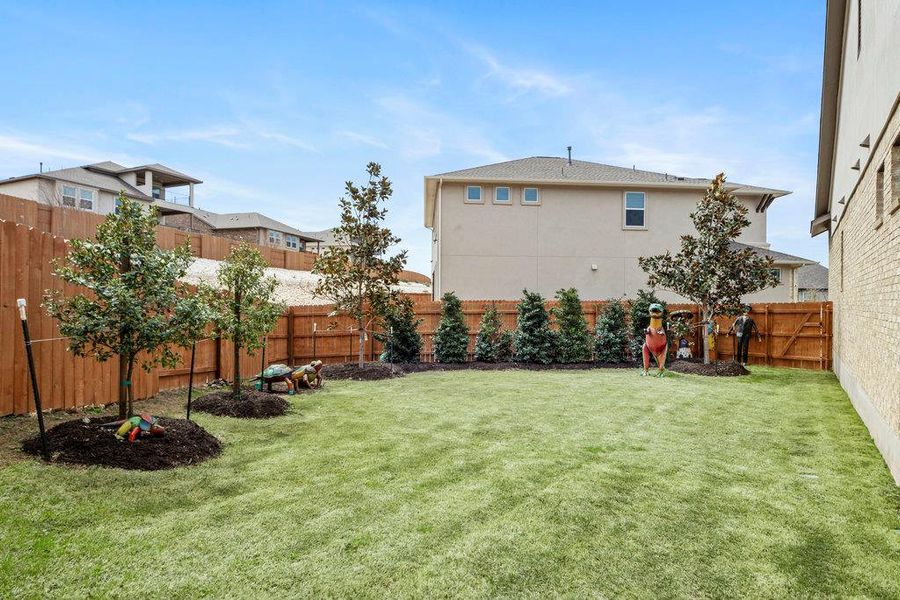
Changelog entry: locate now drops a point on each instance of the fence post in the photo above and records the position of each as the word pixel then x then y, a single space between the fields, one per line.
pixel 290 336
pixel 768 335
pixel 218 351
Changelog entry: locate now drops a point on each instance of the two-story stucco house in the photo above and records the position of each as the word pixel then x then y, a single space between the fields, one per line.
pixel 545 223
pixel 95 187
pixel 858 207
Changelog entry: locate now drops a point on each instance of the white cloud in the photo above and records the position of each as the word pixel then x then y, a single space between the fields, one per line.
pixel 520 78
pixel 287 140
pixel 362 138
pixel 222 135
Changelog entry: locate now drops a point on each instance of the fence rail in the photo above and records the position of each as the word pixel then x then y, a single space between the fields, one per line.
pixel 794 335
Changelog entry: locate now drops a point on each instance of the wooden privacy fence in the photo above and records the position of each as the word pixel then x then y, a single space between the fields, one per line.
pixel 794 335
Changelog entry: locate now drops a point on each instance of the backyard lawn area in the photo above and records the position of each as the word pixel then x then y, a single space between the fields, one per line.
pixel 470 484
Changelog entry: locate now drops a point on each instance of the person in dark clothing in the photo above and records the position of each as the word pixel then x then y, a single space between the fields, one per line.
pixel 743 327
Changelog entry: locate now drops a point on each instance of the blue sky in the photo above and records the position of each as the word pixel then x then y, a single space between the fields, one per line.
pixel 275 105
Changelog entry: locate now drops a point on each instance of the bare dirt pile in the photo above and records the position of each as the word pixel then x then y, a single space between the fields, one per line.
pixel 251 405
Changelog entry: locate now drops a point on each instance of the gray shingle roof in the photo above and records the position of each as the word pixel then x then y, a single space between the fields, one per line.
pixel 246 220
pixel 778 257
pixel 95 179
pixel 812 277
pixel 551 169
pixel 325 235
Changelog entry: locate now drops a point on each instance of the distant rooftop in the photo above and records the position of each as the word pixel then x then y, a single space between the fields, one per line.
pixel 778 257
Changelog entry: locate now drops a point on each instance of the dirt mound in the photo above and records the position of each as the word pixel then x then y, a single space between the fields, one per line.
pixel 252 405
pixel 370 371
pixel 721 369
pixel 84 442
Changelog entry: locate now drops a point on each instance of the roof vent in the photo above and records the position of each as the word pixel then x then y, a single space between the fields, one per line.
pixel 569 148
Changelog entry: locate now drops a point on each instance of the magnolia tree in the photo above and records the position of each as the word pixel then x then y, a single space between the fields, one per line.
pixel 708 270
pixel 134 305
pixel 243 304
pixel 355 273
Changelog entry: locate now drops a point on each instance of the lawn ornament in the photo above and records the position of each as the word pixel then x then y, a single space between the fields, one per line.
pixel 655 340
pixel 278 373
pixel 306 376
pixel 684 349
pixel 743 327
pixel 138 426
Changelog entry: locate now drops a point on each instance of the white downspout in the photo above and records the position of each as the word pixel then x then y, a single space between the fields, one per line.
pixel 440 249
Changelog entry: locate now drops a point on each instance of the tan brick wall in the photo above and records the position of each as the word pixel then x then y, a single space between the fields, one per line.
pixel 864 285
pixel 187 222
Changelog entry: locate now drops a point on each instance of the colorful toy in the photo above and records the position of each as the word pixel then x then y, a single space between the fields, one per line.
pixel 138 426
pixel 655 341
pixel 684 349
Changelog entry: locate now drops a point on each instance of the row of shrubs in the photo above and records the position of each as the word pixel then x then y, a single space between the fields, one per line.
pixel 559 335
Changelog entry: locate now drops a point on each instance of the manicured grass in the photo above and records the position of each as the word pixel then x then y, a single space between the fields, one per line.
pixel 473 484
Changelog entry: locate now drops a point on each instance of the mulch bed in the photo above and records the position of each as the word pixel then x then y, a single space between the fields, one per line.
pixel 83 442
pixel 252 404
pixel 371 371
pixel 721 369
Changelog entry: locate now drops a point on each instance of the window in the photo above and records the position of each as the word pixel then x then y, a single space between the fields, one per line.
pixel 895 175
pixel 635 206
pixel 879 197
pixel 292 241
pixel 68 195
pixel 501 195
pixel 118 205
pixel 86 200
pixel 157 192
pixel 473 194
pixel 275 237
pixel 777 273
pixel 531 196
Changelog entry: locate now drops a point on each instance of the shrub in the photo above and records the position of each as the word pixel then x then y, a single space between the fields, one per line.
pixel 611 344
pixel 451 340
pixel 401 339
pixel 492 344
pixel 533 338
pixel 640 319
pixel 573 337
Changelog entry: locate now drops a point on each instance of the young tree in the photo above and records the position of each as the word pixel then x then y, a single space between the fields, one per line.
pixel 355 273
pixel 492 344
pixel 534 340
pixel 243 304
pixel 135 304
pixel 451 339
pixel 640 319
pixel 611 334
pixel 708 270
pixel 405 344
pixel 574 338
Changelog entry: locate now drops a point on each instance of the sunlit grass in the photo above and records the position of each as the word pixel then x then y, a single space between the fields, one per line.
pixel 590 483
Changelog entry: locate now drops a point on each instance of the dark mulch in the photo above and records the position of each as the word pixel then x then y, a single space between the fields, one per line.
pixel 721 369
pixel 252 404
pixel 371 371
pixel 84 442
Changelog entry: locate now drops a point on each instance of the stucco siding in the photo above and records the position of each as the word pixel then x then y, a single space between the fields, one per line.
pixel 574 237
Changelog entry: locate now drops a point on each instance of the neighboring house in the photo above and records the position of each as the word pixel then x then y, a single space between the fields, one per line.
pixel 858 208
pixel 812 283
pixel 247 227
pixel 545 223
pixel 326 240
pixel 95 187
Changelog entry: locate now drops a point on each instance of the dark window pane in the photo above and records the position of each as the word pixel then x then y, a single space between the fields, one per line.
pixel 634 218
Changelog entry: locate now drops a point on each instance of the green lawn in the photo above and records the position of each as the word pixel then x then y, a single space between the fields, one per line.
pixel 474 484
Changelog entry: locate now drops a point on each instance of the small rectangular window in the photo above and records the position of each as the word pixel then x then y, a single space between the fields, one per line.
pixel 501 195
pixel 157 192
pixel 118 205
pixel 777 273
pixel 86 200
pixel 895 175
pixel 879 196
pixel 635 207
pixel 68 195
pixel 473 193
pixel 531 196
pixel 275 237
pixel 292 241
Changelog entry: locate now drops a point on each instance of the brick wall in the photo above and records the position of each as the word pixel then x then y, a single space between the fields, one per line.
pixel 864 285
pixel 250 235
pixel 187 222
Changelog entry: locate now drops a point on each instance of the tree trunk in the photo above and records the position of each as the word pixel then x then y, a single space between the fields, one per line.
pixel 362 342
pixel 707 320
pixel 123 388
pixel 130 386
pixel 236 384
